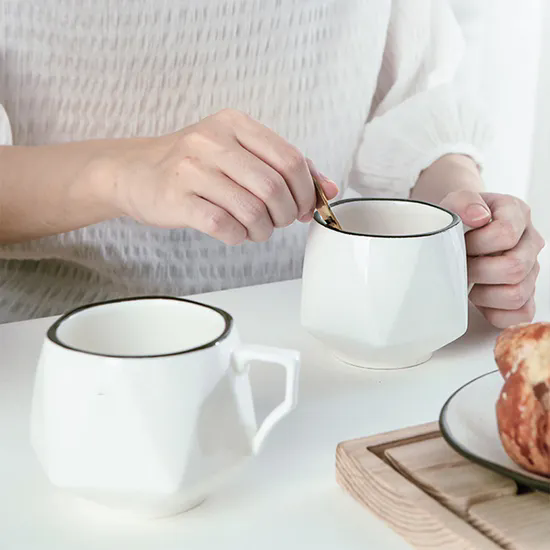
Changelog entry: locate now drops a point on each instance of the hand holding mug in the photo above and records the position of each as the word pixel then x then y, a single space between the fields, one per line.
pixel 403 291
pixel 502 253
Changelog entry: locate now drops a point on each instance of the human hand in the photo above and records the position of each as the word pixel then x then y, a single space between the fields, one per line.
pixel 502 253
pixel 227 176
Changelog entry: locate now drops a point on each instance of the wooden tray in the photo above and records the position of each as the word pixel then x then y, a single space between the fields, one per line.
pixel 434 498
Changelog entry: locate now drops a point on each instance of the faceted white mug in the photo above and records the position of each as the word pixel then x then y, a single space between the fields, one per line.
pixel 144 405
pixel 391 288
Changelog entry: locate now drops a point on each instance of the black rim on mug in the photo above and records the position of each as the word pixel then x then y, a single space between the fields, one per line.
pixel 454 221
pixel 53 337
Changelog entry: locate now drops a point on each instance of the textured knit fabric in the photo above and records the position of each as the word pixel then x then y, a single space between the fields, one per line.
pixel 363 87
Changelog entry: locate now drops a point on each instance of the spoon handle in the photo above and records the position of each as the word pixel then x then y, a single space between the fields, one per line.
pixel 324 209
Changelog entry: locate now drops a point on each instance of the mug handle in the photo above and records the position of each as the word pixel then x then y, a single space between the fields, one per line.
pixel 286 358
pixel 466 229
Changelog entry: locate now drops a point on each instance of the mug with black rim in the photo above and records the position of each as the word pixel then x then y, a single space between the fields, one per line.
pixel 391 287
pixel 144 404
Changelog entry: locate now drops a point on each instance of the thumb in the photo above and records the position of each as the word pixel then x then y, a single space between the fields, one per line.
pixel 329 187
pixel 470 206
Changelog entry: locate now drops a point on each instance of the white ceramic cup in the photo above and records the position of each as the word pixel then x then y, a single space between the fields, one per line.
pixel 144 405
pixel 391 288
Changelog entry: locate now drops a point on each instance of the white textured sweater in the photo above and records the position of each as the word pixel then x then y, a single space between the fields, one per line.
pixel 361 86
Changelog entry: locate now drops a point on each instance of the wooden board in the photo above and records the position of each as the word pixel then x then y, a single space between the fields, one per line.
pixel 435 498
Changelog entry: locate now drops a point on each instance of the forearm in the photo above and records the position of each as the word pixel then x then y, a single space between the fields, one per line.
pixel 447 174
pixel 46 190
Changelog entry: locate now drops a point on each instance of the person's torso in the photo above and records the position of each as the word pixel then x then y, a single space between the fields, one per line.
pixel 81 69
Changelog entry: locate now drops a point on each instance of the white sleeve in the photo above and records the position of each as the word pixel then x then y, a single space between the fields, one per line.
pixel 417 113
pixel 5 129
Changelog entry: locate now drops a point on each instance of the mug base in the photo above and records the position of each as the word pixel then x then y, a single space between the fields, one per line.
pixel 382 365
pixel 141 514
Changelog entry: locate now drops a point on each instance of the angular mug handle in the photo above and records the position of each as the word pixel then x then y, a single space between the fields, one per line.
pixel 286 358
pixel 466 229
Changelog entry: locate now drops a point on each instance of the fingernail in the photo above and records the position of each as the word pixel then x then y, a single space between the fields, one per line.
pixel 306 217
pixel 477 212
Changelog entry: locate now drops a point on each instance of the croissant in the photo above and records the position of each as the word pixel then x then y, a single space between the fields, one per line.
pixel 522 354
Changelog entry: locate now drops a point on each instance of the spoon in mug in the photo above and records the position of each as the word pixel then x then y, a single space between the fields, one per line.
pixel 325 211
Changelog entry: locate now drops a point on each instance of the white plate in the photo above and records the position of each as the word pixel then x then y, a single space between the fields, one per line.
pixel 468 423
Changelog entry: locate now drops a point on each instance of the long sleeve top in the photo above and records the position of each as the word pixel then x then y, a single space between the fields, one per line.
pixel 363 87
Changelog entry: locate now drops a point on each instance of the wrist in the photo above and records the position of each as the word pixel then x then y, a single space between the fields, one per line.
pixel 463 163
pixel 449 173
pixel 94 186
pixel 110 172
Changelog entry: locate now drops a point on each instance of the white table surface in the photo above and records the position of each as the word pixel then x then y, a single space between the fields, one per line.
pixel 287 497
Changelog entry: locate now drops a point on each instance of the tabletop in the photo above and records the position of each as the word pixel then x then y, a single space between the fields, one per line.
pixel 287 497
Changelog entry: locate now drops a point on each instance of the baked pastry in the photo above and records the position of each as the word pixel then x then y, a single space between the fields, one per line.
pixel 522 354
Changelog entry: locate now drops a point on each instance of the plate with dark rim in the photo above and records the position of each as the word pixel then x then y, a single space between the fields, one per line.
pixel 468 423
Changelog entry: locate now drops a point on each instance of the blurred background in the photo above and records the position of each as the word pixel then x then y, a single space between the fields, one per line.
pixel 508 64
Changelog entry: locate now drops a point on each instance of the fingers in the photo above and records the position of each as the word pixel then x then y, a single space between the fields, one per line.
pixel 502 254
pixel 501 318
pixel 469 206
pixel 505 283
pixel 510 219
pixel 510 267
pixel 239 175
pixel 261 180
pixel 244 206
pixel 329 187
pixel 284 158
pixel 505 297
pixel 213 220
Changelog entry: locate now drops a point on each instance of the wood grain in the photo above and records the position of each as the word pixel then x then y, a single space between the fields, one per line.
pixel 412 513
pixel 443 473
pixel 517 523
pixel 434 498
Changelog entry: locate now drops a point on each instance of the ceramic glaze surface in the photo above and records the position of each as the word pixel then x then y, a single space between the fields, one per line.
pixel 142 327
pixel 469 423
pixel 149 434
pixel 390 297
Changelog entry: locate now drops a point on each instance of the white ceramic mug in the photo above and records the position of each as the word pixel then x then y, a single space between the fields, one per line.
pixel 391 288
pixel 144 405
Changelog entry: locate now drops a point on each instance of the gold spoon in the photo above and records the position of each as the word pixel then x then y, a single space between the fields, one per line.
pixel 325 211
